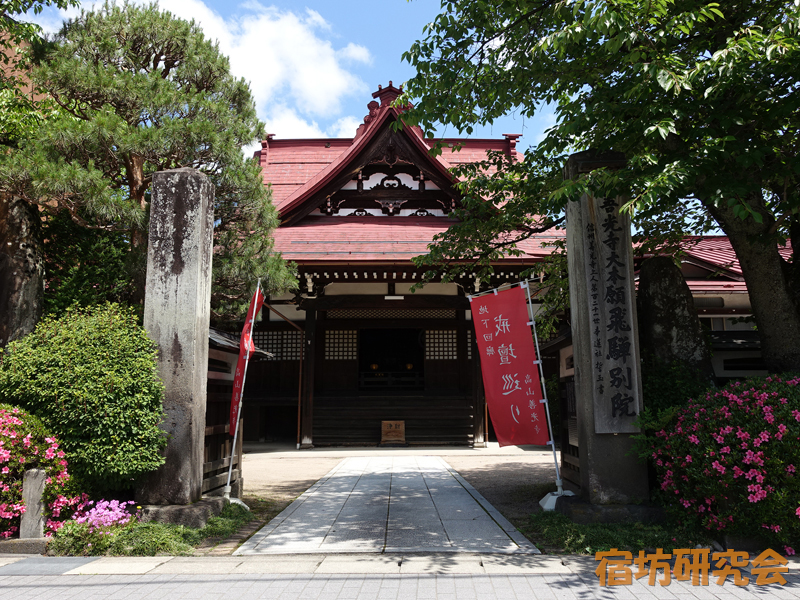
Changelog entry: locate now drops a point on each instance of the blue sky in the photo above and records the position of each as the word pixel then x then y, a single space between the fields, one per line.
pixel 313 65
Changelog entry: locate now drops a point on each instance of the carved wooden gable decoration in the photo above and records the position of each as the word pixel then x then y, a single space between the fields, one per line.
pixel 386 172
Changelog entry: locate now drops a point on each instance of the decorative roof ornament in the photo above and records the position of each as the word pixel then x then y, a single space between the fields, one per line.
pixel 386 95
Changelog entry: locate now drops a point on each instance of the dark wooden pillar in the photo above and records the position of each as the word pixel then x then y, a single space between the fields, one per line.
pixel 309 360
pixel 479 434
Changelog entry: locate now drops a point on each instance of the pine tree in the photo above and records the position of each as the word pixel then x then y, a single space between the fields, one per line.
pixel 138 91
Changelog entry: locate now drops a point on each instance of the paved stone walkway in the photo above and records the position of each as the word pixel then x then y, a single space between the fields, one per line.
pixel 348 577
pixel 389 504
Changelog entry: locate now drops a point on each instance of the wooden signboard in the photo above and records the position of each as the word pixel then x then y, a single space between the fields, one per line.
pixel 393 432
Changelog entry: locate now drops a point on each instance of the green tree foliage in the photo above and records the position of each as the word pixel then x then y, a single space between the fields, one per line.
pixel 140 90
pixel 700 96
pixel 15 31
pixel 20 109
pixel 91 377
pixel 84 266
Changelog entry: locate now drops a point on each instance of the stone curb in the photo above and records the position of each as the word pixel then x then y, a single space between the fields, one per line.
pixel 288 564
pixel 27 546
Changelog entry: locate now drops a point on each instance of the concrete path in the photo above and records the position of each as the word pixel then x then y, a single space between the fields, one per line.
pixel 398 504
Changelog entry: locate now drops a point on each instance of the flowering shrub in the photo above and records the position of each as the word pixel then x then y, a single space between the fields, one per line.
pixel 24 444
pixel 61 507
pixel 729 461
pixel 91 376
pixel 105 514
pixel 92 530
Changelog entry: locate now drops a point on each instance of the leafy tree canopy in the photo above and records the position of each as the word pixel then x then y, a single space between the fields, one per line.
pixel 14 32
pixel 20 109
pixel 140 90
pixel 701 97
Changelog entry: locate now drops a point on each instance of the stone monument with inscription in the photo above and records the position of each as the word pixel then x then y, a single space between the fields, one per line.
pixel 176 316
pixel 608 387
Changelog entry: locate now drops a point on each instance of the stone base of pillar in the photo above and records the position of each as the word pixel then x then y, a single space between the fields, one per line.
pixel 585 513
pixel 189 515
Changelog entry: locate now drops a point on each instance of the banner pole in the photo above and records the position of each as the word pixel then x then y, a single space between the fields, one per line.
pixel 227 489
pixel 548 502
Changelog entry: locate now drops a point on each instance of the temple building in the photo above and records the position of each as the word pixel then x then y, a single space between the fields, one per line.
pixel 355 346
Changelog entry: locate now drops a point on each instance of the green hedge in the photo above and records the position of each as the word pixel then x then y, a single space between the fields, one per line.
pixel 91 377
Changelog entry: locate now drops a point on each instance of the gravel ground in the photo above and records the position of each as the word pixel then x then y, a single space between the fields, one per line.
pixel 513 478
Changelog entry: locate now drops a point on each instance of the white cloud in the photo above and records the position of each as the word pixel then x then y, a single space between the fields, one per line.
pixel 282 56
pixel 285 122
pixel 314 18
pixel 344 127
pixel 355 53
pixel 285 57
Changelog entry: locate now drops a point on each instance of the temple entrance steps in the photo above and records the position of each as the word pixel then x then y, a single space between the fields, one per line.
pixel 356 420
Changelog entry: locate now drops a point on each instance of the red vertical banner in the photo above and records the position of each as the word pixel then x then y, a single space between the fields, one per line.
pixel 246 346
pixel 509 368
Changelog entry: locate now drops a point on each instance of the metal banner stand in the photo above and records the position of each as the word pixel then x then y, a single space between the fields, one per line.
pixel 548 503
pixel 226 491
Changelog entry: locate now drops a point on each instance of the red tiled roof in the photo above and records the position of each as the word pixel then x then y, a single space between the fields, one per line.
pixel 295 168
pixel 314 184
pixel 471 150
pixel 289 164
pixel 382 239
pixel 717 250
pixel 716 286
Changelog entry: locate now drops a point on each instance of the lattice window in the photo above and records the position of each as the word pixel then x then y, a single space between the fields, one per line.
pixel 285 345
pixel 376 313
pixel 441 344
pixel 469 344
pixel 341 344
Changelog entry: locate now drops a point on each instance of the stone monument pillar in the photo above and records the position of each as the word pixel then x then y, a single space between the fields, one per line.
pixel 176 316
pixel 31 524
pixel 608 387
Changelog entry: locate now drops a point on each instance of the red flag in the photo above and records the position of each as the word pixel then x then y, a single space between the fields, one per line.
pixel 508 363
pixel 246 346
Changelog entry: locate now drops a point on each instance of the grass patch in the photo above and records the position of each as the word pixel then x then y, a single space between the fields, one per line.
pixel 264 509
pixel 230 520
pixel 554 533
pixel 146 539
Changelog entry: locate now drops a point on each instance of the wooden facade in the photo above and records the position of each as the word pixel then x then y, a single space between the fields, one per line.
pixel 355 346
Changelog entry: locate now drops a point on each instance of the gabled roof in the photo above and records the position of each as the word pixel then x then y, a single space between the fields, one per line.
pixel 306 173
pixel 303 172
